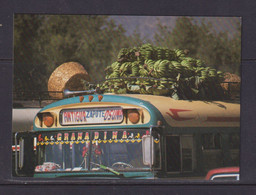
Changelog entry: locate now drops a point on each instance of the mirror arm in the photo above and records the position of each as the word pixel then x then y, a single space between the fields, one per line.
pixel 152 142
pixel 155 126
pixel 150 132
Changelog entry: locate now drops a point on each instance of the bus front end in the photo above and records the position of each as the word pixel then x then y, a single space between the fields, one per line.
pixel 95 136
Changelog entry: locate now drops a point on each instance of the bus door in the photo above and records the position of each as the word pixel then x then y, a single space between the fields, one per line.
pixel 179 153
pixel 24 154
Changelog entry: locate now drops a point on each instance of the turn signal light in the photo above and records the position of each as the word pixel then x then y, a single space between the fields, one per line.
pixel 133 116
pixel 48 119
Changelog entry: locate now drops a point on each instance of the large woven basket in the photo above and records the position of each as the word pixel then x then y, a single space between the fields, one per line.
pixel 70 75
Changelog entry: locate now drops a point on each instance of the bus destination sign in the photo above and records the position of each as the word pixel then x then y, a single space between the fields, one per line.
pixel 83 116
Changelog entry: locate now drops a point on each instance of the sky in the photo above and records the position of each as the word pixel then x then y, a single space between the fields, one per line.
pixel 146 25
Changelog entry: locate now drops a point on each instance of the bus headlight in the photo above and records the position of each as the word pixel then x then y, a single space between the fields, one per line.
pixel 48 119
pixel 133 116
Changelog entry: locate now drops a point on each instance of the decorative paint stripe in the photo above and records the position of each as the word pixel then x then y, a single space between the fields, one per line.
pixel 222 119
pixel 174 114
pixel 18 148
pixel 94 141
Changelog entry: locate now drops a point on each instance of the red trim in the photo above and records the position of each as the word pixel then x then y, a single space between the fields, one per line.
pixel 222 119
pixel 13 148
pixel 175 115
pixel 18 148
pixel 222 171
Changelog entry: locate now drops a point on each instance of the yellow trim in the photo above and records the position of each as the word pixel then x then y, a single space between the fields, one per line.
pixel 94 141
pixel 156 141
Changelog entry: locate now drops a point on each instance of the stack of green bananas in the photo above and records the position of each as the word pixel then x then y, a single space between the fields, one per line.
pixel 161 71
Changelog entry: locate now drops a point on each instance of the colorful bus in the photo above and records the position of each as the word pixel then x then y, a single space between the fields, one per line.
pixel 136 136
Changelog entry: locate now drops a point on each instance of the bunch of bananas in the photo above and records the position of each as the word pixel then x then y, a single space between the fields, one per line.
pixel 126 55
pixel 161 71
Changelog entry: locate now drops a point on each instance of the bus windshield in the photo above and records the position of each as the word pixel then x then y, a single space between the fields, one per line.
pixel 87 151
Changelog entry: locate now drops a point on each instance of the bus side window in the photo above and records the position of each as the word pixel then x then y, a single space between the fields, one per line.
pixel 211 141
pixel 234 140
pixel 234 145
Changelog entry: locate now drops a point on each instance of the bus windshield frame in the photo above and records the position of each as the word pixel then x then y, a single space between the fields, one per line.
pixel 95 151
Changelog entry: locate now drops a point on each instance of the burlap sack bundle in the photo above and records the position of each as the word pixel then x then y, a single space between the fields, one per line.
pixel 70 75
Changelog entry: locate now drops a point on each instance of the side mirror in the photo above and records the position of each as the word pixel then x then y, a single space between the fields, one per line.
pixel 148 149
pixel 21 154
pixel 24 159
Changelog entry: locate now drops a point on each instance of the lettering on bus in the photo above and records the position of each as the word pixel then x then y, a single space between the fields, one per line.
pixel 91 116
pixel 97 136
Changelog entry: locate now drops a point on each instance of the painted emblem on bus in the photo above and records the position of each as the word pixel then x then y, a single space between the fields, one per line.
pixel 174 114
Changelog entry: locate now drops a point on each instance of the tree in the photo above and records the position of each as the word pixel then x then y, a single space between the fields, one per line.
pixel 26 64
pixel 235 47
pixel 43 42
pixel 216 49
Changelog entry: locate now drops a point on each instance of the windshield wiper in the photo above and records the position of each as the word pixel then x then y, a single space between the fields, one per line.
pixel 107 168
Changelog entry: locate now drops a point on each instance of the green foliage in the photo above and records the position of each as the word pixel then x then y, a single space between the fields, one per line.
pixel 216 49
pixel 43 42
pixel 26 60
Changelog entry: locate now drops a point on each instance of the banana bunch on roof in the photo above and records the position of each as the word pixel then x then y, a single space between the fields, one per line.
pixel 162 71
